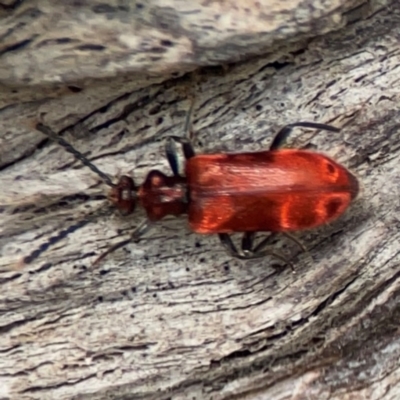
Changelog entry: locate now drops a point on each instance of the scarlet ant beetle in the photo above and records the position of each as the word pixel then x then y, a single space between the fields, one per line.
pixel 278 190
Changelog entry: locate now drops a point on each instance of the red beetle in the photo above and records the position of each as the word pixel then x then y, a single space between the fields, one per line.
pixel 278 190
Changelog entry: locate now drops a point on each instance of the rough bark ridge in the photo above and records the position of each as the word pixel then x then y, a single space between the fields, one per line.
pixel 54 40
pixel 174 316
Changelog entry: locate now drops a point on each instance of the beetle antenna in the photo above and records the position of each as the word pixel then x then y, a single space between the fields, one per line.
pixel 70 149
pixel 134 237
pixel 188 128
pixel 61 235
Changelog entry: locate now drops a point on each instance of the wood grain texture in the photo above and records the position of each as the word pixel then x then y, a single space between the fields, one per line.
pixel 174 317
pixel 69 46
pixel 43 41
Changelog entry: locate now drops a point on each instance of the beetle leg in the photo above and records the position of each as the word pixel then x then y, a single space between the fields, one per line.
pixel 247 252
pixel 185 142
pixel 266 252
pixel 135 237
pixel 228 245
pixel 172 156
pixel 188 122
pixel 295 240
pixel 171 153
pixel 259 250
pixel 248 242
pixel 264 242
pixel 187 147
pixel 284 133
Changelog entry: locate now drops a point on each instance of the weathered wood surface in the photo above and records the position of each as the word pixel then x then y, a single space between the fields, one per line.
pixel 57 41
pixel 175 317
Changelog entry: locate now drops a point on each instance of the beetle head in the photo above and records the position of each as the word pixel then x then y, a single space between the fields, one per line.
pixel 123 195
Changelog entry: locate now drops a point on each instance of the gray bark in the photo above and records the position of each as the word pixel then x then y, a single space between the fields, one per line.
pixel 174 316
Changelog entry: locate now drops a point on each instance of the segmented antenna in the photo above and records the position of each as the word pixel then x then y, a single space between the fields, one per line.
pixel 188 121
pixel 134 237
pixel 70 149
pixel 62 235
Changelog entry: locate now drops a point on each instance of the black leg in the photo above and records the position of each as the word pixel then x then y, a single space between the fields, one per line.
pixel 187 147
pixel 188 123
pixel 135 237
pixel 283 134
pixel 228 245
pixel 247 252
pixel 171 153
pixel 172 156
pixel 185 142
pixel 260 246
pixel 295 240
pixel 248 242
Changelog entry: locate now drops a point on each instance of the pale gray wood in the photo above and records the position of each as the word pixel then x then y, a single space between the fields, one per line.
pixel 174 316
pixel 57 41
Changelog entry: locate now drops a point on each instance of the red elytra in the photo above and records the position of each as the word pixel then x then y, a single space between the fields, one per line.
pixel 279 190
pixel 285 190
